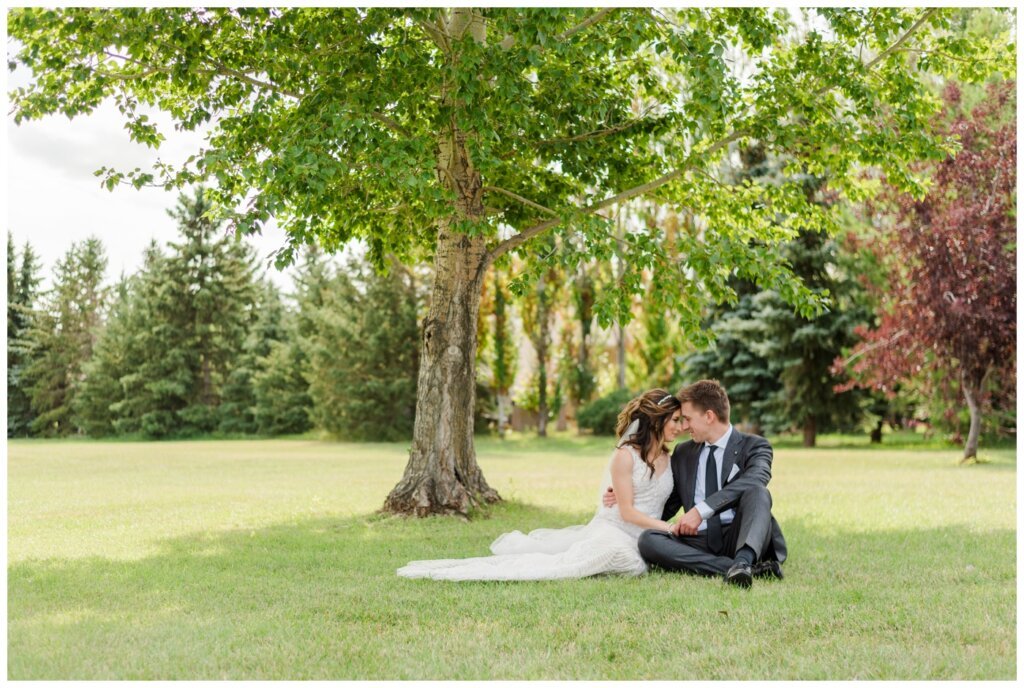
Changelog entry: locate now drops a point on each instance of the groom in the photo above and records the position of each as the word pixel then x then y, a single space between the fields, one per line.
pixel 721 479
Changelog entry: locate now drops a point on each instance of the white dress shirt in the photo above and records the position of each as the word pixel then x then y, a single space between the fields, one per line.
pixel 699 490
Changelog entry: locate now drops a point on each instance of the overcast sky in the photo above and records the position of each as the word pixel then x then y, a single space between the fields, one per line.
pixel 53 198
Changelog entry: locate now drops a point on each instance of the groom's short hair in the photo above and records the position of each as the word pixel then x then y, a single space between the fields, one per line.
pixel 707 395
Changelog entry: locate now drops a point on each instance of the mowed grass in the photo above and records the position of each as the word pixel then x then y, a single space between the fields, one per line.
pixel 267 560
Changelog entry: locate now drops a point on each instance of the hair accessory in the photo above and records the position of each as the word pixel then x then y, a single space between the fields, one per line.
pixel 665 398
pixel 628 434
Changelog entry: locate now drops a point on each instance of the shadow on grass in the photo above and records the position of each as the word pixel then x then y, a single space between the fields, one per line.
pixel 320 599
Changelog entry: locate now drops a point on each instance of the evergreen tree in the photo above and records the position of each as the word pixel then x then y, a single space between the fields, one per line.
pixel 238 407
pixel 22 286
pixel 281 386
pixel 101 393
pixel 187 327
pixel 746 375
pixel 215 282
pixel 62 335
pixel 363 370
pixel 802 350
pixel 775 363
pixel 154 378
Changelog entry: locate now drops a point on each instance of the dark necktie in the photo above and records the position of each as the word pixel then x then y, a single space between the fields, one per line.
pixel 710 488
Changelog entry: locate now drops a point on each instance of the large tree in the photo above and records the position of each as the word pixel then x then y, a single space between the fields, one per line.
pixel 465 134
pixel 952 302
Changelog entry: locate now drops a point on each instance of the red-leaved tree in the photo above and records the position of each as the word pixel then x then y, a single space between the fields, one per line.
pixel 952 296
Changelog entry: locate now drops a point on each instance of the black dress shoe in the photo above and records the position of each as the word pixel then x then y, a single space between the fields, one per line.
pixel 739 574
pixel 768 569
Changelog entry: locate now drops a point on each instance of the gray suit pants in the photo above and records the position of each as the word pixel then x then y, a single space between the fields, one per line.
pixel 752 527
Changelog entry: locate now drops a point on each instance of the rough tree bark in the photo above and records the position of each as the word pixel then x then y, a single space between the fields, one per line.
pixel 442 475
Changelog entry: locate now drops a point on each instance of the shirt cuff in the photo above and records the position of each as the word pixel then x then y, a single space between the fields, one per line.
pixel 706 512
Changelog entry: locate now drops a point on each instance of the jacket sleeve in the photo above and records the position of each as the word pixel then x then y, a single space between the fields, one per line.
pixel 672 506
pixel 675 500
pixel 757 471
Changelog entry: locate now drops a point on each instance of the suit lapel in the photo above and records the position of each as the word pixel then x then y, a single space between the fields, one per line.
pixel 690 455
pixel 732 452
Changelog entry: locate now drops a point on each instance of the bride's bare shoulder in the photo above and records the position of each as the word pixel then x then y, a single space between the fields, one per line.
pixel 623 457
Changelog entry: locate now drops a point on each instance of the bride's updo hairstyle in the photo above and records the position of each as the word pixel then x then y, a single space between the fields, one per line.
pixel 652 410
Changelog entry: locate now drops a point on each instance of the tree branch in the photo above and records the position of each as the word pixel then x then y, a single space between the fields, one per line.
pixel 524 201
pixel 895 46
pixel 223 70
pixel 598 133
pixel 508 41
pixel 439 36
pixel 390 123
pixel 527 234
pixel 589 21
pixel 875 345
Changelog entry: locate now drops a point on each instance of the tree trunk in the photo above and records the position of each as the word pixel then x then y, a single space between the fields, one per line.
pixel 543 337
pixel 971 393
pixel 876 434
pixel 442 475
pixel 621 357
pixel 810 431
pixel 503 406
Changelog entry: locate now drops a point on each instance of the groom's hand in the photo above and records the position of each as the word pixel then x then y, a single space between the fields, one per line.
pixel 608 498
pixel 688 524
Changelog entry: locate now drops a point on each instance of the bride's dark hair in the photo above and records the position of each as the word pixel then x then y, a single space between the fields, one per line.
pixel 652 410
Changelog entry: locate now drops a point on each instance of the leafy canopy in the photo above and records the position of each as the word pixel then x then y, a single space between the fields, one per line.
pixel 330 119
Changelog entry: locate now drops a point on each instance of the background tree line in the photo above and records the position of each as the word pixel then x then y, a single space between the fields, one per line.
pixel 198 342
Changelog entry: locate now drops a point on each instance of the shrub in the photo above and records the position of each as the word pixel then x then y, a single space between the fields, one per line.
pixel 600 415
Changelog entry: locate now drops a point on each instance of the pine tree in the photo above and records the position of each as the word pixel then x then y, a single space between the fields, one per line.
pixel 186 327
pixel 62 336
pixel 281 387
pixel 802 350
pixel 22 286
pixel 238 407
pixel 101 393
pixel 363 370
pixel 213 278
pixel 777 364
pixel 155 378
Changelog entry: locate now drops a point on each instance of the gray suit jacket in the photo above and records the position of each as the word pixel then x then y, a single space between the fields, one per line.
pixel 751 454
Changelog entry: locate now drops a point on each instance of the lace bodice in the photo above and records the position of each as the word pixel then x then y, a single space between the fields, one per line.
pixel 649 493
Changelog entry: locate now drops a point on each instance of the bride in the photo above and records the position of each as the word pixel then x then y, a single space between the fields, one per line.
pixel 641 475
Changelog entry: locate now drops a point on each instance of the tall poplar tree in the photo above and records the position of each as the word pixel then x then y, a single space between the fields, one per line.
pixel 465 134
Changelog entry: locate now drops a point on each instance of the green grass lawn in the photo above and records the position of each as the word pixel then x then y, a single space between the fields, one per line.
pixel 266 560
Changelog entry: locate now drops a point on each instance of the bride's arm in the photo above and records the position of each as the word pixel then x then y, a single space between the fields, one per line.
pixel 622 481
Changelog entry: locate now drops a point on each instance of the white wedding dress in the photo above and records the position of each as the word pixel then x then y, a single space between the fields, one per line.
pixel 607 544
